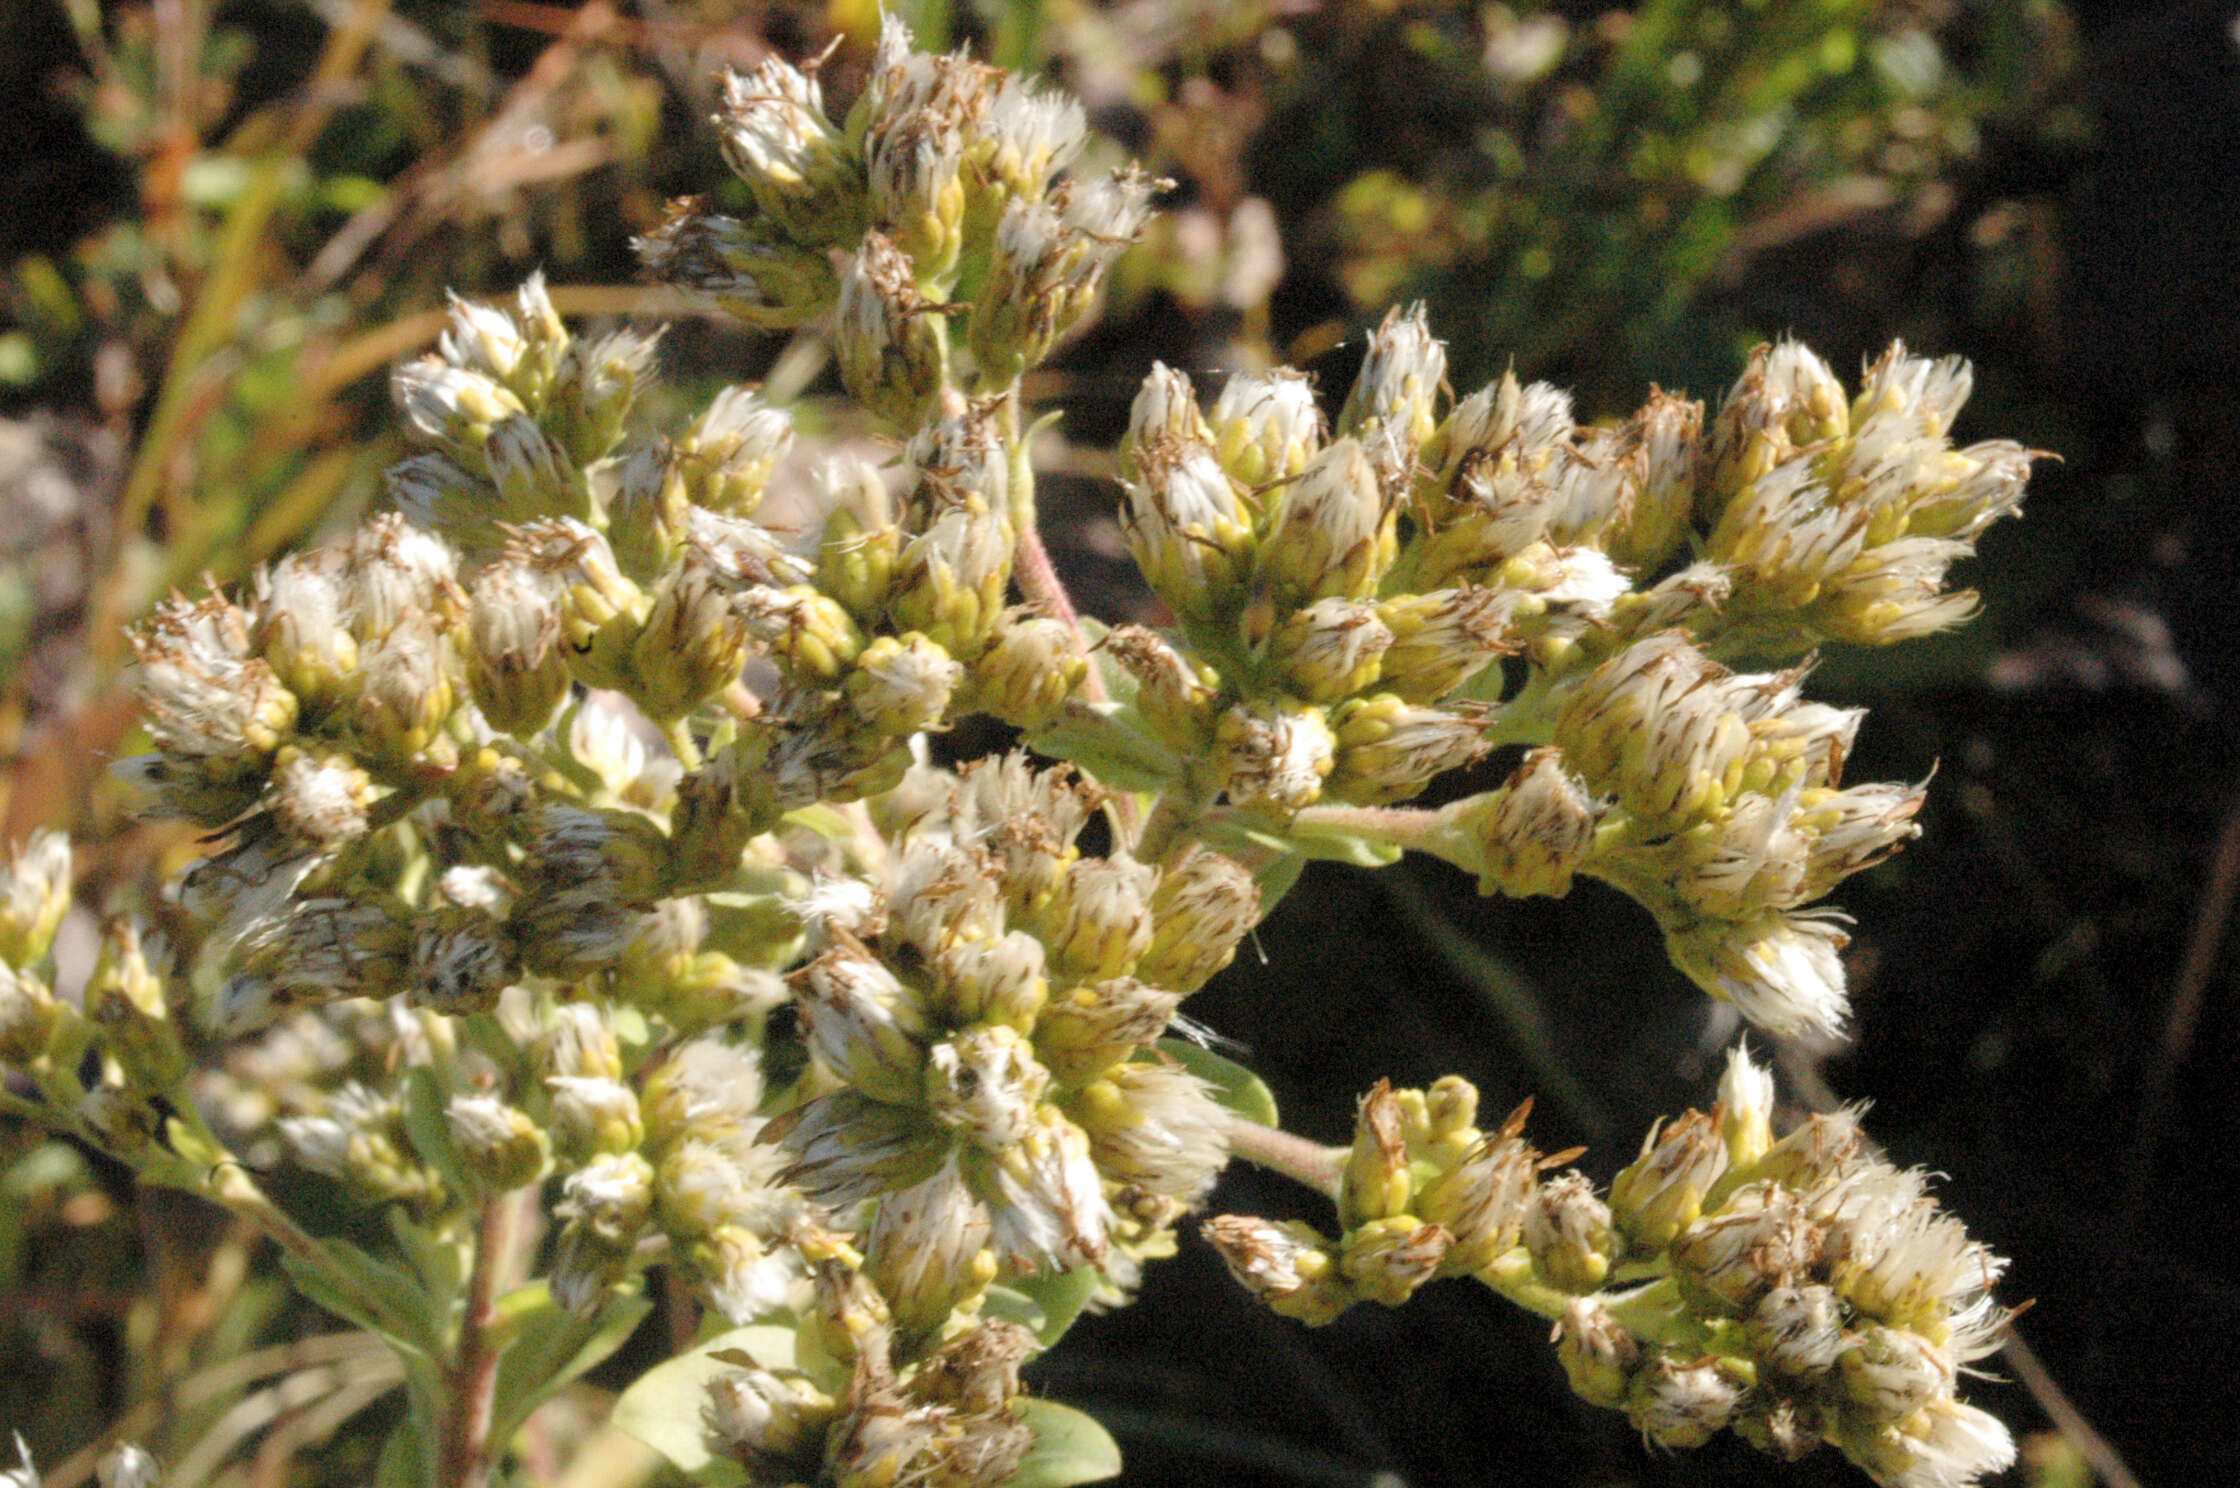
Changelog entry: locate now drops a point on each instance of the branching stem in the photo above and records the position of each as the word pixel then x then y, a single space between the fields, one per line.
pixel 1031 565
pixel 1302 1161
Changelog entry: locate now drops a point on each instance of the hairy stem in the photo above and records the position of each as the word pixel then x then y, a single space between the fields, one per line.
pixel 1302 1161
pixel 474 1369
pixel 1031 565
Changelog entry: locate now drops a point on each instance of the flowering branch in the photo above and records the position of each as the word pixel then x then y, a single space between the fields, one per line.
pixel 530 803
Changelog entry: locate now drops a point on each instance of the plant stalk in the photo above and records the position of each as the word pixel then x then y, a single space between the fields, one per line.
pixel 1302 1161
pixel 473 1380
pixel 1031 565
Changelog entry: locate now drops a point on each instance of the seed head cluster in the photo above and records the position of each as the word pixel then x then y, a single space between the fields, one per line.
pixel 575 878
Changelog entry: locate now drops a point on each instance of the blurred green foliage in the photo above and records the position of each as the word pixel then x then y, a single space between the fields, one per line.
pixel 1578 189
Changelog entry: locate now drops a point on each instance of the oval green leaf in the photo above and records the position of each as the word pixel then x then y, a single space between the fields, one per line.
pixel 663 1408
pixel 1234 1086
pixel 1069 1448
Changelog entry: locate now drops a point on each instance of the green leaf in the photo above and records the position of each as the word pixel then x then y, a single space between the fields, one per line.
pixel 1277 878
pixel 1328 844
pixel 1058 1296
pixel 828 822
pixel 1069 1448
pixel 425 1124
pixel 1014 1306
pixel 1112 743
pixel 439 1261
pixel 553 1349
pixel 409 1324
pixel 1234 1086
pixel 663 1408
pixel 401 1465
pixel 409 1458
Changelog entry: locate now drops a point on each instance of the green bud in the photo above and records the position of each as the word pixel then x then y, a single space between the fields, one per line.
pixel 1663 440
pixel 915 145
pixel 1662 1191
pixel 1331 534
pixel 949 582
pixel 1031 667
pixel 601 610
pixel 1820 1149
pixel 301 629
pixel 1442 639
pixel 1099 921
pixel 1265 426
pixel 890 343
pixel 1377 1182
pixel 27 1017
pixel 929 1251
pixel 863 1024
pixel 1330 649
pixel 648 512
pixel 1203 907
pixel 1174 695
pixel 124 999
pixel 1483 1199
pixel 1598 1355
pixel 1085 1031
pixel 998 981
pixel 1189 530
pixel 1048 259
pixel 1397 393
pixel 1569 1233
pixel 596 385
pixel 1786 400
pixel 405 692
pixel 1389 750
pixel 1287 1266
pixel 775 135
pixel 747 268
pixel 516 668
pixel 1386 1260
pixel 725 459
pixel 500 1148
pixel 856 557
pixel 693 641
pixel 533 474
pixel 900 685
pixel 452 407
pixel 809 634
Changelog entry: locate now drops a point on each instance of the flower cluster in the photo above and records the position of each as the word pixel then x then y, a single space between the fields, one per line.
pixel 1798 1291
pixel 989 1017
pixel 841 1411
pixel 1343 607
pixel 573 854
